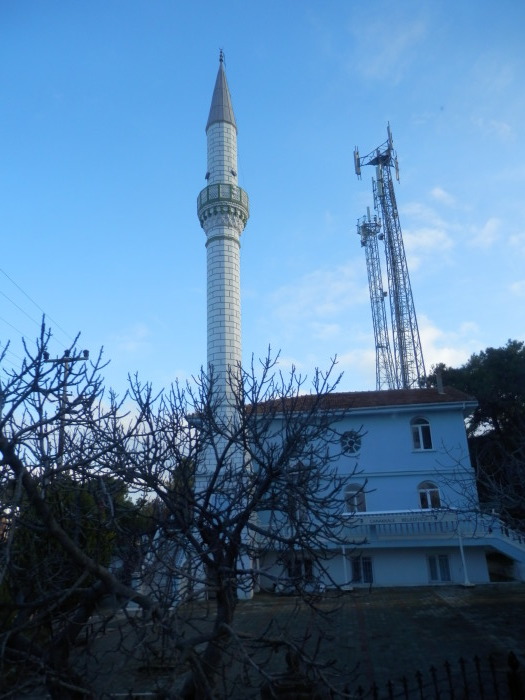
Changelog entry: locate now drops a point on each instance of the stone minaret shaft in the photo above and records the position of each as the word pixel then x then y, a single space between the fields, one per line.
pixel 223 212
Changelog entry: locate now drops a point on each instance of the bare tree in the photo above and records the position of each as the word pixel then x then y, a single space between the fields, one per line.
pixel 59 441
pixel 219 504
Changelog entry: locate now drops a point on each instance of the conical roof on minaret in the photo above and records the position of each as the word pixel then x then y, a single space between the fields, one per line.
pixel 221 109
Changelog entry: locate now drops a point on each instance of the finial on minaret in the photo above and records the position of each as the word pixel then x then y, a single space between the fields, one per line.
pixel 221 109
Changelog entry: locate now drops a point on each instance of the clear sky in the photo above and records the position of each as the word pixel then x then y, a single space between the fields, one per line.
pixel 103 152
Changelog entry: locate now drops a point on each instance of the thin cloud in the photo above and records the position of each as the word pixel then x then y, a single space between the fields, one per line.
pixel 320 294
pixel 422 212
pixel 488 234
pixel 431 238
pixel 326 331
pixel 442 196
pixel 452 347
pixel 133 340
pixel 493 76
pixel 517 289
pixel 388 60
pixel 424 242
pixel 503 131
pixel 517 241
pixel 359 368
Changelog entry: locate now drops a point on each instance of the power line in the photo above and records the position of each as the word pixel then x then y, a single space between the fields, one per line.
pixel 18 307
pixel 13 327
pixel 55 323
pixel 7 349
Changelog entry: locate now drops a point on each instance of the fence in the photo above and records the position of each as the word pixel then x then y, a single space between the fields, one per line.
pixel 474 679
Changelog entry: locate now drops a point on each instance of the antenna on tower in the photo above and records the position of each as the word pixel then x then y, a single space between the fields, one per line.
pixel 408 367
pixel 357 163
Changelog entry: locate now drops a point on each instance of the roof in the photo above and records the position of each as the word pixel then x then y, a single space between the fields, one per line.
pixel 348 400
pixel 221 109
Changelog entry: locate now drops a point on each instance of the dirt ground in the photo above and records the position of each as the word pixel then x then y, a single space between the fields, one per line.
pixel 367 637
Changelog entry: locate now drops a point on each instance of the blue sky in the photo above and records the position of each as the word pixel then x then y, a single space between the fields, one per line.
pixel 103 153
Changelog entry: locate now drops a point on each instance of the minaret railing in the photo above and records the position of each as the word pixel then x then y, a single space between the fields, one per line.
pixel 220 199
pixel 221 192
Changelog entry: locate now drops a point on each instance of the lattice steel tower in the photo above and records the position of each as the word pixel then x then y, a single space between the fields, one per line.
pixel 369 231
pixel 408 364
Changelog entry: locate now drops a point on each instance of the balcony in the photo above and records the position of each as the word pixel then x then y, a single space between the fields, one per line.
pixel 223 199
pixel 222 193
pixel 418 527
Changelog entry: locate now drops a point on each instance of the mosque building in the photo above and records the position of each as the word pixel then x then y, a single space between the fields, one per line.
pixel 408 522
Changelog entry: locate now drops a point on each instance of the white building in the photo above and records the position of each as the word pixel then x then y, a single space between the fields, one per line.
pixel 412 512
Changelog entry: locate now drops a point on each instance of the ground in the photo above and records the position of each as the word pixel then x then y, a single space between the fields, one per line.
pixel 373 636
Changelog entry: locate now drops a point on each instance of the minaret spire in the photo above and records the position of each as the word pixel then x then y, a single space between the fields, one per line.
pixel 221 109
pixel 223 211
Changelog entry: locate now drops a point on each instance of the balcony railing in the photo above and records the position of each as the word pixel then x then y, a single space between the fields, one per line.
pixel 222 193
pixel 429 524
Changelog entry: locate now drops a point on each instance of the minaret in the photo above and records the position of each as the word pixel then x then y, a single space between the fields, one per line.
pixel 223 212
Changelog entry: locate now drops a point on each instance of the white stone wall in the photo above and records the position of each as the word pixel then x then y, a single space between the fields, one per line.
pixel 224 299
pixel 222 153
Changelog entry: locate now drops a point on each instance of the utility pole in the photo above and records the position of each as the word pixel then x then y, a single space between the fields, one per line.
pixel 66 360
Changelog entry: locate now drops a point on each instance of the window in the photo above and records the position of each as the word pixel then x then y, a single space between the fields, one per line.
pixel 300 568
pixel 296 492
pixel 421 437
pixel 351 442
pixel 439 567
pixel 362 570
pixel 429 495
pixel 355 498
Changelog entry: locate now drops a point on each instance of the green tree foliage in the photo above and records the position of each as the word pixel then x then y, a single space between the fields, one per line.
pixel 496 429
pixel 496 378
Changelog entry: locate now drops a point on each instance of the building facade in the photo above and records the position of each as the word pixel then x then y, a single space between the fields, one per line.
pixel 410 508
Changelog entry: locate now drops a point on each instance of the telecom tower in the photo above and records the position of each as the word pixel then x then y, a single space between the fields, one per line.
pixel 369 230
pixel 407 370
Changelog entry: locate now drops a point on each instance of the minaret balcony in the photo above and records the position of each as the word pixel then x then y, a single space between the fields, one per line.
pixel 220 199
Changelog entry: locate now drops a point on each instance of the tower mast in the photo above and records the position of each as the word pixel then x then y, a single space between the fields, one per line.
pixel 408 354
pixel 369 231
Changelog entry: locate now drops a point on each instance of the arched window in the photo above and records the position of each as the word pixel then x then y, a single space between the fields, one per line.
pixel 421 437
pixel 355 498
pixel 429 495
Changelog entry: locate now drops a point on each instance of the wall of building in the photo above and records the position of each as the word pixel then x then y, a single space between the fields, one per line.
pixel 393 469
pixel 390 567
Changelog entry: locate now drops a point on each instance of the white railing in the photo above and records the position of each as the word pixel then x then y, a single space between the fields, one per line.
pixel 432 523
pixel 387 525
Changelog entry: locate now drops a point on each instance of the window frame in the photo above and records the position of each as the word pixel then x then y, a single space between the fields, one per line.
pixel 421 434
pixel 429 491
pixel 300 568
pixel 362 569
pixel 439 568
pixel 354 498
